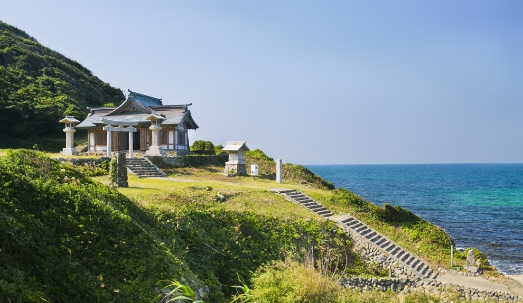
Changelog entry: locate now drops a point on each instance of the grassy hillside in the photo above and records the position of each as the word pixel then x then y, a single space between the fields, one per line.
pixel 64 235
pixel 38 86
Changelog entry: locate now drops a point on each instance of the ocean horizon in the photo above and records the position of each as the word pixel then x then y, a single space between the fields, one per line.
pixel 479 204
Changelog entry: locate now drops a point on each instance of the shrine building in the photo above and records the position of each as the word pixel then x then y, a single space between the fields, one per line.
pixel 140 123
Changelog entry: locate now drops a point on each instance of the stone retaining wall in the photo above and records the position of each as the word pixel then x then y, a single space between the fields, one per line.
pixel 444 291
pixel 82 161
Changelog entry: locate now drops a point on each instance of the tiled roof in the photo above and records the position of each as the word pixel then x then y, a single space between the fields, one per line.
pixel 137 108
pixel 144 99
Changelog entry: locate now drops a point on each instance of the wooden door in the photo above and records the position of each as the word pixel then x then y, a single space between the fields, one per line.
pixel 142 139
pixel 114 140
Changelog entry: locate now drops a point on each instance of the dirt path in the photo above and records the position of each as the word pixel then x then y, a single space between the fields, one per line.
pixel 502 283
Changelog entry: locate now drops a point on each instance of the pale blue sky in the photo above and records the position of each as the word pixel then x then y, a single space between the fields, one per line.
pixel 312 82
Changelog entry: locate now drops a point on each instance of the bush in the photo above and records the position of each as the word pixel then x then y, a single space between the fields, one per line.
pixel 201 147
pixel 292 282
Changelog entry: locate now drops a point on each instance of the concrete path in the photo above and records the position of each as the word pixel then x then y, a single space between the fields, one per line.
pixel 476 282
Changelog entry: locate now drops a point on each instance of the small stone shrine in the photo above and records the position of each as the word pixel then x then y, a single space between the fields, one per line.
pixel 236 163
pixel 69 131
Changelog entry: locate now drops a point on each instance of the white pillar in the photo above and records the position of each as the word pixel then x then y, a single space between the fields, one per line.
pixel 69 149
pixel 131 137
pixel 109 128
pixel 155 149
pixel 278 170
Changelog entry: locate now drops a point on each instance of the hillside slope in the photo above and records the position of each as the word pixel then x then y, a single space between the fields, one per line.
pixel 38 86
pixel 64 236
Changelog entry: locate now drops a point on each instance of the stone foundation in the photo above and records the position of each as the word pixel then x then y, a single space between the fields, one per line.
pixel 446 292
pixel 235 169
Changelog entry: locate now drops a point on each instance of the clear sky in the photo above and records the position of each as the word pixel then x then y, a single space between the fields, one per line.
pixel 311 82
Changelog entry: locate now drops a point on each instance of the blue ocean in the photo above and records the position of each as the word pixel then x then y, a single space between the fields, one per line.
pixel 479 205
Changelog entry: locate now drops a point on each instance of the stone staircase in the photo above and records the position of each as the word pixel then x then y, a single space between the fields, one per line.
pixel 366 236
pixel 303 200
pixel 387 247
pixel 143 168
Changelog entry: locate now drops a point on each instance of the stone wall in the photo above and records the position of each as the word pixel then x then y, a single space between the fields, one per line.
pixel 446 292
pixel 165 161
pixel 83 161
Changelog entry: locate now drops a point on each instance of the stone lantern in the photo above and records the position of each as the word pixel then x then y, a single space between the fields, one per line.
pixel 69 131
pixel 236 163
pixel 155 149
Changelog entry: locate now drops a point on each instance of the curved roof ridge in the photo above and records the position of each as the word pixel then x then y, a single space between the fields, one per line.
pixel 147 100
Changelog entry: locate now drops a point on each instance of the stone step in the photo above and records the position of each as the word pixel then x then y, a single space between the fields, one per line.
pixel 405 258
pixel 347 221
pixel 395 251
pixel 284 191
pixel 325 213
pixel 386 244
pixel 307 203
pixel 315 206
pixel 390 248
pixel 143 169
pixel 365 232
pixel 415 264
pixel 352 223
pixel 356 226
pixel 400 254
pixel 410 260
pixel 380 241
pixel 375 239
pixel 371 234
pixel 426 271
pixel 361 228
pixel 420 266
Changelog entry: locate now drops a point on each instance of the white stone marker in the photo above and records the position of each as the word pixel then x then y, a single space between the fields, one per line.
pixel 278 171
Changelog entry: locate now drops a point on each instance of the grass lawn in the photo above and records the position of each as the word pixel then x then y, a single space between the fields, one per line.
pixel 192 185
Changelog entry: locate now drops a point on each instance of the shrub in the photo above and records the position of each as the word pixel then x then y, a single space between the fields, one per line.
pixel 202 147
pixel 292 282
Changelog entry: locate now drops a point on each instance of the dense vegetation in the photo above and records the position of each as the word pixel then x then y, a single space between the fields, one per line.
pixel 38 87
pixel 63 236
